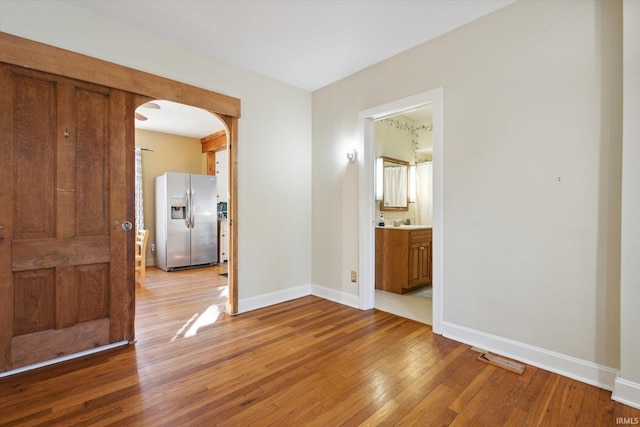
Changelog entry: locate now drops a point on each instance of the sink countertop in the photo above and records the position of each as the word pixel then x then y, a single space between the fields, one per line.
pixel 407 227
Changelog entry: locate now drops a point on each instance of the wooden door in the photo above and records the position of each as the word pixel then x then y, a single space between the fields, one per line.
pixel 66 264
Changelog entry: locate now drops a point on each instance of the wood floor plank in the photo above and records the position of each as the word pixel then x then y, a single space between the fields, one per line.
pixel 465 396
pixel 432 409
pixel 504 397
pixel 396 382
pixel 565 403
pixel 586 417
pixel 478 402
pixel 304 362
pixel 515 418
pixel 538 378
pixel 607 409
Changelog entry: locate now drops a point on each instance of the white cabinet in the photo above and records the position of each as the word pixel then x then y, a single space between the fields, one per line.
pixel 222 175
pixel 223 244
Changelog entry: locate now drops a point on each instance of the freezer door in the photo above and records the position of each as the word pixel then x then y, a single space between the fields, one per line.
pixel 177 244
pixel 204 220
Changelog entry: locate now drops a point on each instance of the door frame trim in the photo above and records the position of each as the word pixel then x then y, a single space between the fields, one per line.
pixel 38 56
pixel 27 53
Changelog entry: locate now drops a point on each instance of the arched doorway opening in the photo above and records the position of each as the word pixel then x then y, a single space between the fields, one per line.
pixel 179 139
pixel 211 144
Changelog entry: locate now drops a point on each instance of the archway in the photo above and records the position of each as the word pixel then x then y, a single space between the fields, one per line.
pixel 179 139
pixel 212 135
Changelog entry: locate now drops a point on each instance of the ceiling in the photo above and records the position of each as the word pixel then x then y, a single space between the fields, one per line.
pixel 307 43
pixel 178 119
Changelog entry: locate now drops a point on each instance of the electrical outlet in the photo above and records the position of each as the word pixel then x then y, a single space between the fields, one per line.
pixel 353 276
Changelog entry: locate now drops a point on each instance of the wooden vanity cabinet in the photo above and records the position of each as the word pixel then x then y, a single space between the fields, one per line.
pixel 403 259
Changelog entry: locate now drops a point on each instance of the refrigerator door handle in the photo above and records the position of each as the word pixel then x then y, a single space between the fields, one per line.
pixel 192 209
pixel 187 219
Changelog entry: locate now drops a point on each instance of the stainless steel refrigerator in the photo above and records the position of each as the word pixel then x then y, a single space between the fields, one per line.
pixel 186 221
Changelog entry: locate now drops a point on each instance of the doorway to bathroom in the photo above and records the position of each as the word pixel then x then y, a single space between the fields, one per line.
pixel 367 196
pixel 403 147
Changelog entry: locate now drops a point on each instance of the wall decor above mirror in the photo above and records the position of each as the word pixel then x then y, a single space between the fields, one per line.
pixel 393 184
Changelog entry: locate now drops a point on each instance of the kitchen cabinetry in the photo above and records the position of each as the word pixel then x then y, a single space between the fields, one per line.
pixel 222 175
pixel 223 241
pixel 403 259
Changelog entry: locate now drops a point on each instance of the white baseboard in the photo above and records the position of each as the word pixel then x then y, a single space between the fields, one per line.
pixel 562 364
pixel 261 301
pixel 627 392
pixel 336 296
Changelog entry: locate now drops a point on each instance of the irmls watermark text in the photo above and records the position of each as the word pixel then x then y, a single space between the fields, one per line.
pixel 631 421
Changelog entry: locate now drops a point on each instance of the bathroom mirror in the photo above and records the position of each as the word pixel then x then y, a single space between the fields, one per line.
pixel 395 185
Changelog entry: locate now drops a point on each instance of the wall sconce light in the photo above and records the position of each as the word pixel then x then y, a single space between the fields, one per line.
pixel 352 156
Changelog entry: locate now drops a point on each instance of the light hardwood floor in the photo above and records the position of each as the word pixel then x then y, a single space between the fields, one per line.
pixel 304 362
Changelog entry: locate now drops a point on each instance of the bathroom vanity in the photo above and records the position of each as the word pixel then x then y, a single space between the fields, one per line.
pixel 403 258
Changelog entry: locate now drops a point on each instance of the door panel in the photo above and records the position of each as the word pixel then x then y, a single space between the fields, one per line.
pixel 69 288
pixel 34 301
pixel 92 165
pixel 46 345
pixel 93 292
pixel 33 162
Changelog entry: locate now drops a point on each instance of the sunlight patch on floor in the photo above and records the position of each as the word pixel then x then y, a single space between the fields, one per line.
pixel 185 326
pixel 209 317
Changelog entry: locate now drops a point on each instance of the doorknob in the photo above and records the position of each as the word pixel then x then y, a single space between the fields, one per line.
pixel 126 226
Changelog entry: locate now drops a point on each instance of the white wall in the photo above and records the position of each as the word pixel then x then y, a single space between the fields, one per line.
pixel 532 155
pixel 274 148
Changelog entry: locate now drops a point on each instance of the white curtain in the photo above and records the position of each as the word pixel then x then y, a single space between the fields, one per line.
pixel 424 193
pixel 395 188
pixel 139 203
